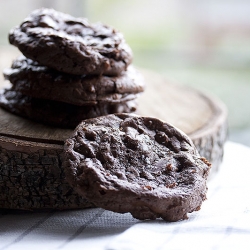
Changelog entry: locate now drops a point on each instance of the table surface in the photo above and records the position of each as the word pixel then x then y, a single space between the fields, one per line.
pixel 222 223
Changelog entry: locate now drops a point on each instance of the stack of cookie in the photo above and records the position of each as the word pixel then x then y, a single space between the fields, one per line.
pixel 70 70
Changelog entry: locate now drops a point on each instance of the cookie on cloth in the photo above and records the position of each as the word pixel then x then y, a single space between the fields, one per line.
pixel 32 79
pixel 71 45
pixel 57 113
pixel 127 163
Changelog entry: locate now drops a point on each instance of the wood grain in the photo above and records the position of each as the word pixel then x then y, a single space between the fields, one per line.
pixel 31 154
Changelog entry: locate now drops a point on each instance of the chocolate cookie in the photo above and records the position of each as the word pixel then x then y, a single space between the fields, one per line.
pixel 71 45
pixel 32 79
pixel 126 163
pixel 57 113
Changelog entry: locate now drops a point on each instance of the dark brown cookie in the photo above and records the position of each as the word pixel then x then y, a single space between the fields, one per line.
pixel 71 45
pixel 126 163
pixel 32 79
pixel 56 113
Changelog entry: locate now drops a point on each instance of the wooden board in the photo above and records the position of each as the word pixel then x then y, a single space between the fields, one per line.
pixel 31 154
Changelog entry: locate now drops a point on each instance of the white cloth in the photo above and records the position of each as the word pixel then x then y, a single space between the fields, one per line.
pixel 222 223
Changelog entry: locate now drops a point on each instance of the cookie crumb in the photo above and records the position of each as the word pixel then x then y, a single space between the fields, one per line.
pixel 172 185
pixel 206 161
pixel 169 167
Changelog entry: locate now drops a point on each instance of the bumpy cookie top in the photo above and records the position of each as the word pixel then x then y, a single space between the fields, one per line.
pixel 71 45
pixel 127 163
